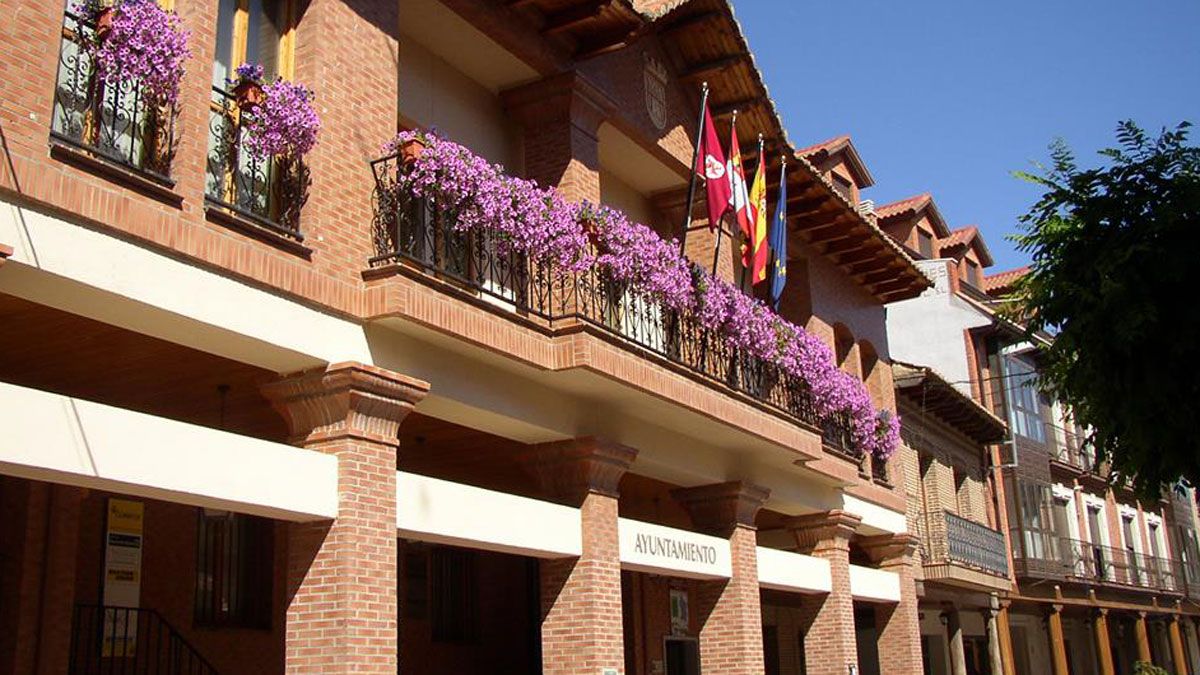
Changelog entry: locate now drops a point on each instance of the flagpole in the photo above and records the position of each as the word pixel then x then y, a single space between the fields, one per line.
pixel 687 215
pixel 774 251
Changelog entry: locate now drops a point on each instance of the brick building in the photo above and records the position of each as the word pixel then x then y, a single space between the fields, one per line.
pixel 253 425
pixel 1098 580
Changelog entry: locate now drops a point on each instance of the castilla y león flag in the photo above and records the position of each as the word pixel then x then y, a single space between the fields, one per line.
pixel 710 163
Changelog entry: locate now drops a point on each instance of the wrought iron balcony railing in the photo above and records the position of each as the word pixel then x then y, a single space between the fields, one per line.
pixel 1043 554
pixel 269 192
pixel 118 640
pixel 965 542
pixel 420 234
pixel 113 122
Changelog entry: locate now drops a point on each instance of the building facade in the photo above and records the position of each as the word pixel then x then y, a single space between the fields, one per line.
pixel 270 416
pixel 1099 581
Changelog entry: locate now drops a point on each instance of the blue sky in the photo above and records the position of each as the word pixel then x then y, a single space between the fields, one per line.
pixel 951 97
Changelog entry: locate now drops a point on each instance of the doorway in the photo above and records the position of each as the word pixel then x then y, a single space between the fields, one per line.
pixel 683 655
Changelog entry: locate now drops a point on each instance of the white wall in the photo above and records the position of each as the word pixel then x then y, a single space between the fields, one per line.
pixel 787 571
pixel 928 330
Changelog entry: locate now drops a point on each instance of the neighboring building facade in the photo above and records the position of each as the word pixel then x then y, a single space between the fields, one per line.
pixel 251 424
pixel 1099 581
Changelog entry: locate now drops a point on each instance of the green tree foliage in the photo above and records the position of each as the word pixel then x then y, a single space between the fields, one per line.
pixel 1114 252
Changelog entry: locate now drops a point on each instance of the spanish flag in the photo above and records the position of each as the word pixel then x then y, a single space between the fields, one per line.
pixel 756 255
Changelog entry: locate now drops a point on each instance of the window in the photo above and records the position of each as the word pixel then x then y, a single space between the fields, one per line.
pixel 972 273
pixel 844 187
pixel 235 569
pixel 1030 517
pixel 269 192
pixel 1026 418
pixel 454 595
pixel 924 243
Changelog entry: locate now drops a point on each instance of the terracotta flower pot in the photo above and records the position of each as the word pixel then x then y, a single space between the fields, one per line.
pixel 104 22
pixel 248 94
pixel 411 151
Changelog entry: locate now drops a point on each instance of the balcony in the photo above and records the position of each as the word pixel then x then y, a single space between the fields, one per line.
pixel 1042 555
pixel 419 237
pixel 953 544
pixel 112 126
pixel 246 191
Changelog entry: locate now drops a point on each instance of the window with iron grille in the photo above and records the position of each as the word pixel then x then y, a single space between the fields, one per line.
pixel 234 570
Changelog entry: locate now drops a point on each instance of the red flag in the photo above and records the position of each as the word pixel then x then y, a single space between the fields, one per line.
pixel 710 163
pixel 739 200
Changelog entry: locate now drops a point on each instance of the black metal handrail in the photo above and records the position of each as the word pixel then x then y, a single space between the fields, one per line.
pixel 115 122
pixel 270 191
pixel 119 640
pixel 421 234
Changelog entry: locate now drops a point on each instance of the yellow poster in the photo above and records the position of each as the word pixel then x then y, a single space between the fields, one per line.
pixel 122 576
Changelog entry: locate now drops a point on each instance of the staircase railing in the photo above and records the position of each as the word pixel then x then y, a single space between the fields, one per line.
pixel 130 641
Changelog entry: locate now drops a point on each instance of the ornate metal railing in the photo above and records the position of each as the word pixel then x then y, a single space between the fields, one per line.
pixel 120 640
pixel 421 234
pixel 975 544
pixel 270 192
pixel 114 122
pixel 835 434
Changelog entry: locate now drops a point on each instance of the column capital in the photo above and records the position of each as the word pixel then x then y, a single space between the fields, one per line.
pixel 826 529
pixel 720 507
pixel 569 470
pixel 344 400
pixel 889 550
pixel 569 95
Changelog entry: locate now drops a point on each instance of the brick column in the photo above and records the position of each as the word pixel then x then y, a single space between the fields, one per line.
pixel 829 643
pixel 954 637
pixel 342 578
pixel 1058 645
pixel 582 629
pixel 899 625
pixel 1177 652
pixel 562 116
pixel 1103 642
pixel 1143 639
pixel 731 632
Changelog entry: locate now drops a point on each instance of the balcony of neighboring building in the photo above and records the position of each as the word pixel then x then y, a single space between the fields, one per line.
pixel 1045 556
pixel 960 551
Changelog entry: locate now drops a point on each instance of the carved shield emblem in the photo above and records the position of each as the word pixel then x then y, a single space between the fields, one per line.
pixel 655 75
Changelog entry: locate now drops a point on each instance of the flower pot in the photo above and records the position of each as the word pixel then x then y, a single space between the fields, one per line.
pixel 411 151
pixel 104 22
pixel 248 94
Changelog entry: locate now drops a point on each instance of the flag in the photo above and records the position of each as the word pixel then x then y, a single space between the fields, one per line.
pixel 759 252
pixel 710 163
pixel 739 201
pixel 779 240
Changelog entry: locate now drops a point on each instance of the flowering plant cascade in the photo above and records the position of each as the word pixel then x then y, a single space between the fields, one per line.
pixel 539 223
pixel 284 124
pixel 146 45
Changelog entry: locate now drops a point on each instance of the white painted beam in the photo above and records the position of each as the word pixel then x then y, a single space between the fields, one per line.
pixel 872 585
pixel 794 572
pixel 440 511
pixel 49 437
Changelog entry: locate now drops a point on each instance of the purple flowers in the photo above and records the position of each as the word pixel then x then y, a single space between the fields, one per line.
pixel 250 71
pixel 539 223
pixel 146 45
pixel 284 124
